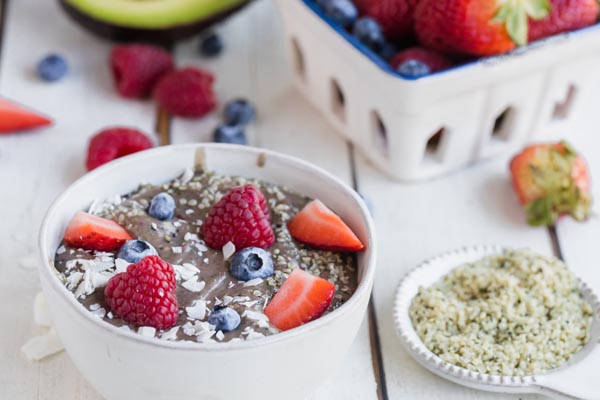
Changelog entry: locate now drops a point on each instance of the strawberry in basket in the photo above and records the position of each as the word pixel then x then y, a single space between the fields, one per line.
pixel 566 15
pixel 551 180
pixel 394 16
pixel 476 27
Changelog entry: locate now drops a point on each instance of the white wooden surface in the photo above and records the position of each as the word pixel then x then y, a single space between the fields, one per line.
pixel 414 221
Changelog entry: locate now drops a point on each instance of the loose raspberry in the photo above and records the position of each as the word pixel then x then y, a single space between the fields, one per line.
pixel 113 143
pixel 187 92
pixel 435 61
pixel 144 295
pixel 137 68
pixel 240 217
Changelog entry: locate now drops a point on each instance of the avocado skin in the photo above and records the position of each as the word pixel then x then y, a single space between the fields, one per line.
pixel 162 36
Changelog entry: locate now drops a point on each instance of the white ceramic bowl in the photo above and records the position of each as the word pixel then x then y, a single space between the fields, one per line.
pixel 124 365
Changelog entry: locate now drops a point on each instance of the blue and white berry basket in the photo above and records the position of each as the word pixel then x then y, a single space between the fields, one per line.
pixel 419 129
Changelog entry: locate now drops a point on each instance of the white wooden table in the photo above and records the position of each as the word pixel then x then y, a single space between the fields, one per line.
pixel 414 221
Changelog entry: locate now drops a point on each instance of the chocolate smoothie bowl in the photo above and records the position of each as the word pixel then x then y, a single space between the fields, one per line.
pixel 180 263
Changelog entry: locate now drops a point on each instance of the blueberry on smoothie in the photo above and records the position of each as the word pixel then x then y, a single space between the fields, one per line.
pixel 224 319
pixel 134 251
pixel 162 206
pixel 251 263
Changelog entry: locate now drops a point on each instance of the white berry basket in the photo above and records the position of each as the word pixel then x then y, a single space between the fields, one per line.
pixel 419 129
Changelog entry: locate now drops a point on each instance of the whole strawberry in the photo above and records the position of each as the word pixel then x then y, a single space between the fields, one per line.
pixel 241 217
pixel 144 295
pixel 566 15
pixel 187 92
pixel 476 27
pixel 394 16
pixel 136 68
pixel 551 180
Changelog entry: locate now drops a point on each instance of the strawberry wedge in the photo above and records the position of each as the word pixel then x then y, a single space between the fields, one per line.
pixel 86 231
pixel 319 227
pixel 14 117
pixel 302 298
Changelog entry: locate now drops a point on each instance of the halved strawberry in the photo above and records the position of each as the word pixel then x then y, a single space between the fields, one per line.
pixel 302 298
pixel 86 231
pixel 551 180
pixel 14 117
pixel 318 226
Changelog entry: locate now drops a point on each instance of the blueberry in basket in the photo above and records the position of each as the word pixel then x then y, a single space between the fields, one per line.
pixel 388 28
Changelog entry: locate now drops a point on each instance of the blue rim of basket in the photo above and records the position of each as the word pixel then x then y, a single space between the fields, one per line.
pixel 385 66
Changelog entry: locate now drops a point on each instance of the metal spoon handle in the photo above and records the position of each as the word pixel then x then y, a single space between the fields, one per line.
pixel 580 381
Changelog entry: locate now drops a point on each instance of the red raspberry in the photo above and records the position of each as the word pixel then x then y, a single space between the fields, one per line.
pixel 187 92
pixel 144 295
pixel 434 60
pixel 136 68
pixel 241 217
pixel 113 143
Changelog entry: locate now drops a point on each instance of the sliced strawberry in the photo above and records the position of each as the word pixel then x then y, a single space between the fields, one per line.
pixel 86 231
pixel 14 117
pixel 551 180
pixel 318 226
pixel 302 298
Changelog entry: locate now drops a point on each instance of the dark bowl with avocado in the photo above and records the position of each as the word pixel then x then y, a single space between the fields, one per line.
pixel 156 21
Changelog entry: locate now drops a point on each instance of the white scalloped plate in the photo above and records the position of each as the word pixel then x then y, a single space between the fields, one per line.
pixel 578 379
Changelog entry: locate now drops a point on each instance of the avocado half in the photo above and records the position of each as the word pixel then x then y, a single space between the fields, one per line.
pixel 159 21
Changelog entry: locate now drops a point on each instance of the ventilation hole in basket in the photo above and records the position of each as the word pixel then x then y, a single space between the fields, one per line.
pixel 562 109
pixel 338 100
pixel 503 125
pixel 379 133
pixel 298 56
pixel 433 150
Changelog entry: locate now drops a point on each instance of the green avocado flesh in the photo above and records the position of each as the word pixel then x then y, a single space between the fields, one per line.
pixel 152 14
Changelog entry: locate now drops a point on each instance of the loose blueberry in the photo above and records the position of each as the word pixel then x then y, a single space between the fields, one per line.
pixel 224 319
pixel 368 32
pixel 343 12
pixel 414 68
pixel 52 68
pixel 230 134
pixel 239 112
pixel 162 206
pixel 211 45
pixel 134 251
pixel 251 263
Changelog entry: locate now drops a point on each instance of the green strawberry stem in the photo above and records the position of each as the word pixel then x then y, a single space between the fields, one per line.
pixel 515 14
